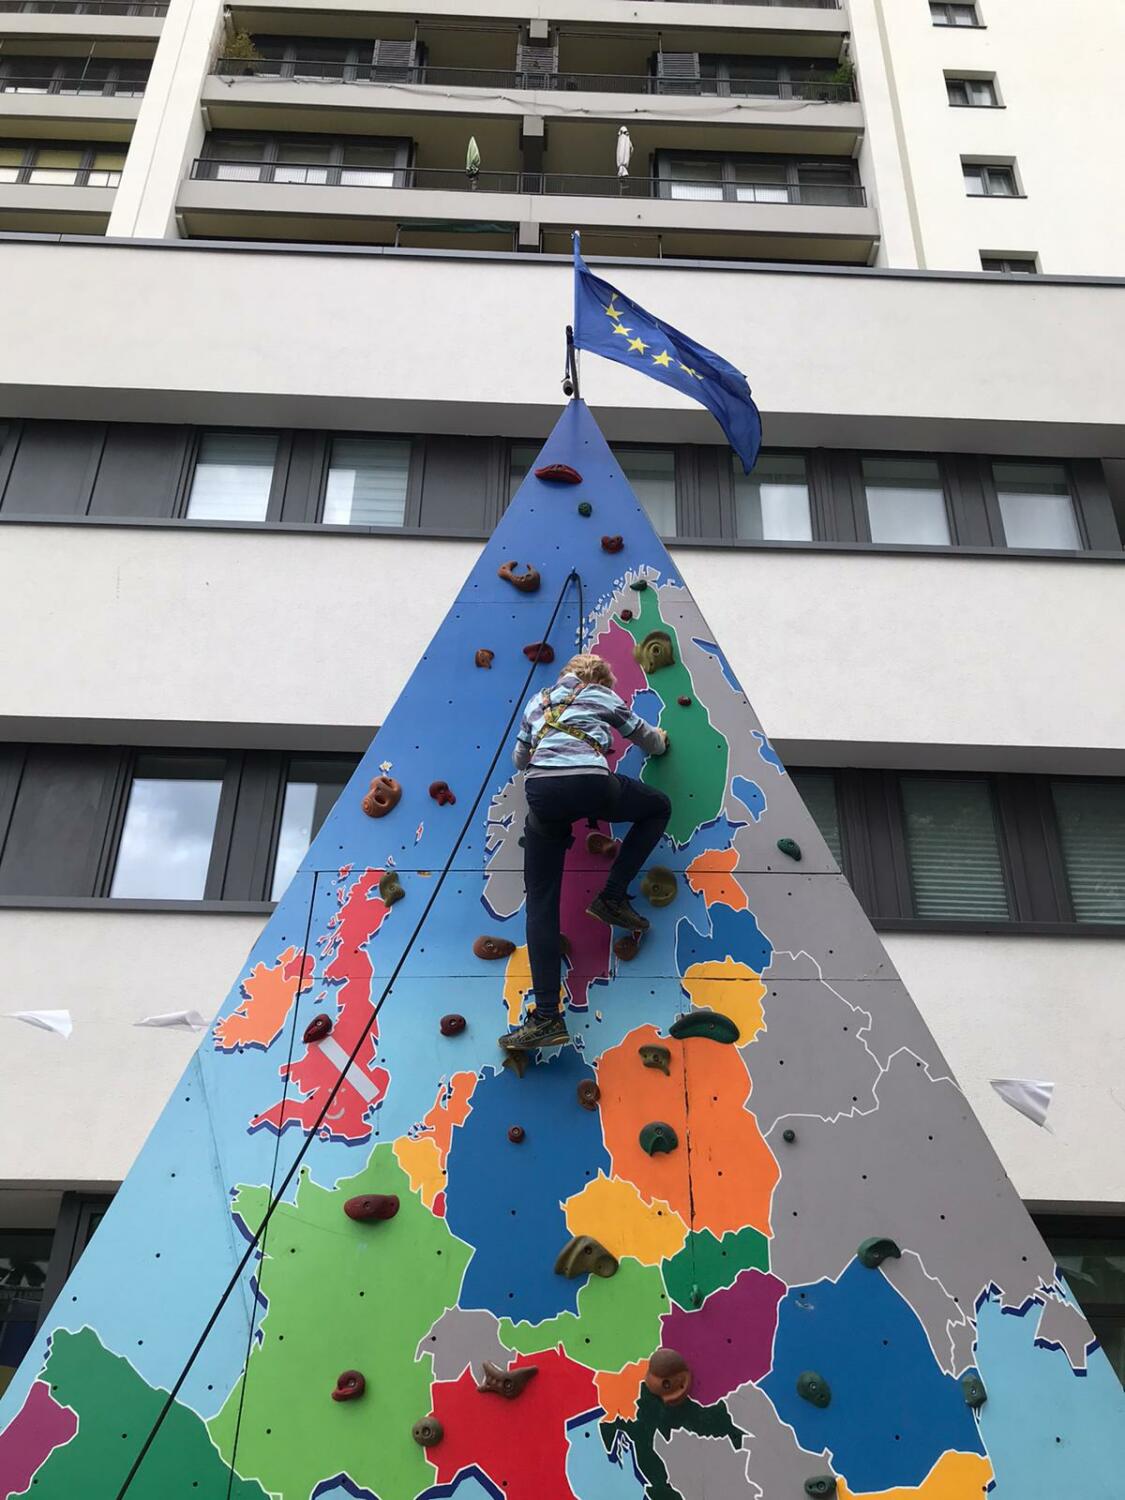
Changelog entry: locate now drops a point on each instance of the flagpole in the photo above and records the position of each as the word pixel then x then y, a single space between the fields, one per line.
pixel 570 378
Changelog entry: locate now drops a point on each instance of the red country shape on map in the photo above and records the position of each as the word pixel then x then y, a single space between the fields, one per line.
pixel 350 971
pixel 521 1445
pixel 41 1426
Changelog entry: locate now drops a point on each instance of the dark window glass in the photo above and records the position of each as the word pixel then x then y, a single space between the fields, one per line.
pixel 818 793
pixel 1091 820
pixel 953 848
pixel 311 789
pixel 1022 265
pixel 24 1254
pixel 953 15
pixel 976 93
pixel 989 181
pixel 1094 1268
pixel 170 817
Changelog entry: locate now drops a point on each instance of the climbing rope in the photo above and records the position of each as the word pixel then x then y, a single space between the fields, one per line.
pixel 314 1129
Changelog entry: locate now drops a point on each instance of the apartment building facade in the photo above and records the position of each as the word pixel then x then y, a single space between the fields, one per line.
pixel 275 347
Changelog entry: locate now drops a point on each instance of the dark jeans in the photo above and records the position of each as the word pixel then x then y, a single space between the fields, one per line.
pixel 556 802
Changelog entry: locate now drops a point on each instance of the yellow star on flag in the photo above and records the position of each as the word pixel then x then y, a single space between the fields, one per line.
pixel 689 371
pixel 611 311
pixel 664 359
pixel 621 329
pixel 638 344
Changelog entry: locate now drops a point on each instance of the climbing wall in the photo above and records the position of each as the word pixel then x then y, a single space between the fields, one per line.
pixel 743 1238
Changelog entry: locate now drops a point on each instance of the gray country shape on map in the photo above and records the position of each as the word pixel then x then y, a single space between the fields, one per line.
pixel 1062 1325
pixel 777 1463
pixel 461 1337
pixel 699 1467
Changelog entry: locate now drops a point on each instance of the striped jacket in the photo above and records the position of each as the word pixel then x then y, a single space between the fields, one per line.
pixel 594 711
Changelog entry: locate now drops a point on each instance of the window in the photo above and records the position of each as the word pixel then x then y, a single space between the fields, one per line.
pixel 760 77
pixel 311 790
pixel 1091 822
pixel 72 75
pixel 818 792
pixel 233 476
pixel 11 160
pixel 367 482
pixel 953 848
pixel 772 503
pixel 1091 1256
pixel 1036 506
pixel 906 501
pixel 57 166
pixel 972 93
pixel 989 180
pixel 741 178
pixel 651 473
pixel 1021 265
pixel 309 160
pixel 944 14
pixel 165 847
pixel 105 169
pixel 24 1258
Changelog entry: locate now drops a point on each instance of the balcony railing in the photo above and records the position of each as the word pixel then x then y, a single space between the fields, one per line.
pixel 457 180
pixel 85 7
pixel 89 88
pixel 803 86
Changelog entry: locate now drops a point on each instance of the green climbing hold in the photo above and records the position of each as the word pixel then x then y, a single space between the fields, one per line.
pixel 705 1023
pixel 654 1056
pixel 639 584
pixel 972 1387
pixel 788 1136
pixel 585 508
pixel 696 1296
pixel 658 886
pixel 654 651
pixel 657 1137
pixel 790 847
pixel 821 1484
pixel 585 1256
pixel 390 888
pixel 813 1388
pixel 876 1250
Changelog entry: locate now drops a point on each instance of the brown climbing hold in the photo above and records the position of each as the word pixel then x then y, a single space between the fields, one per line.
pixel 564 945
pixel 372 1206
pixel 627 947
pixel 439 791
pixel 612 543
pixel 516 1134
pixel 539 651
pixel 602 845
pixel 427 1432
pixel 493 947
pixel 452 1025
pixel 669 1377
pixel 484 657
pixel 527 583
pixel 390 888
pixel 654 652
pixel 588 1094
pixel 684 702
pixel 655 1056
pixel 626 614
pixel 559 474
pixel 349 1385
pixel 382 795
pixel 317 1029
pixel 507 1383
pixel 658 886
pixel 584 1256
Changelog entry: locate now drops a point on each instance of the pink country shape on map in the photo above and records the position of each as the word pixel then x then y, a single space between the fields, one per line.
pixel 729 1340
pixel 41 1426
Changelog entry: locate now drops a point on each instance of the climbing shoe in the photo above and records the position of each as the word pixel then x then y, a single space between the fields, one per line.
pixel 615 911
pixel 541 1029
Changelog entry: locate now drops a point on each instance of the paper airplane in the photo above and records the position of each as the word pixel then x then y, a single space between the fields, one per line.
pixel 1031 1096
pixel 189 1020
pixel 58 1021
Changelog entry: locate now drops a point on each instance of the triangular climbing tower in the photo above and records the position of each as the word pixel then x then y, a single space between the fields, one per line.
pixel 846 1292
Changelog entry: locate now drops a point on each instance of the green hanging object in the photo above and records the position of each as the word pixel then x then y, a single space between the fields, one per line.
pixel 813 1388
pixel 790 847
pixel 658 1137
pixel 821 1484
pixel 972 1388
pixel 705 1023
pixel 585 508
pixel 472 158
pixel 695 1296
pixel 873 1252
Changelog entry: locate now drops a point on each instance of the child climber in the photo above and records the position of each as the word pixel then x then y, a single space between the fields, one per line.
pixel 563 743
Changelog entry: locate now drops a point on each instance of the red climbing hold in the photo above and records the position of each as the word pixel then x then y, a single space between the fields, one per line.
pixel 452 1025
pixel 539 651
pixel 372 1206
pixel 602 845
pixel 382 795
pixel 669 1377
pixel 588 1094
pixel 684 702
pixel 439 791
pixel 484 657
pixel 493 947
pixel 626 614
pixel 527 583
pixel 559 474
pixel 317 1029
pixel 349 1385
pixel 612 543
pixel 516 1134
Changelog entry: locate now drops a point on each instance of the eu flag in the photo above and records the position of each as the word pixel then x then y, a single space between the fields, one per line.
pixel 607 323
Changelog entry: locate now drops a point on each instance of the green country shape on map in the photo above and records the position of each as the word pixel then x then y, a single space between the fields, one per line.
pixel 618 1321
pixel 694 772
pixel 116 1411
pixel 343 1296
pixel 710 1264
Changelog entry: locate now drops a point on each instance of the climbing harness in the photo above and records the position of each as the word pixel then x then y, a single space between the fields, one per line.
pixel 313 1131
pixel 552 721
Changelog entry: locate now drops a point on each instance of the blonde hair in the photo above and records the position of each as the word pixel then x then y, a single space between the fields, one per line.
pixel 590 668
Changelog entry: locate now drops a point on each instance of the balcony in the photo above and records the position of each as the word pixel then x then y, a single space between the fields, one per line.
pixel 93 7
pixel 431 207
pixel 95 107
pixel 70 21
pixel 57 186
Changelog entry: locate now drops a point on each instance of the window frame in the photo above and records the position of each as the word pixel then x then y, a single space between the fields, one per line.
pixel 272 142
pixel 277 482
pixel 56 74
pixel 949 6
pixel 968 78
pixel 88 152
pixel 996 519
pixel 987 166
pixel 862 514
pixel 728 161
pixel 1028 264
pixel 412 505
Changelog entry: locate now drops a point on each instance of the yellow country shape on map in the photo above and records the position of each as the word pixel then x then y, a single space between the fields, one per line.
pixel 955 1476
pixel 613 1211
pixel 517 982
pixel 731 988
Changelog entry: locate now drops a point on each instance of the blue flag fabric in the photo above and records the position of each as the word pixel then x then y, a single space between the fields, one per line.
pixel 607 323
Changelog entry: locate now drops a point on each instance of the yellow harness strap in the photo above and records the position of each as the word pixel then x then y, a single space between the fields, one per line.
pixel 552 720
